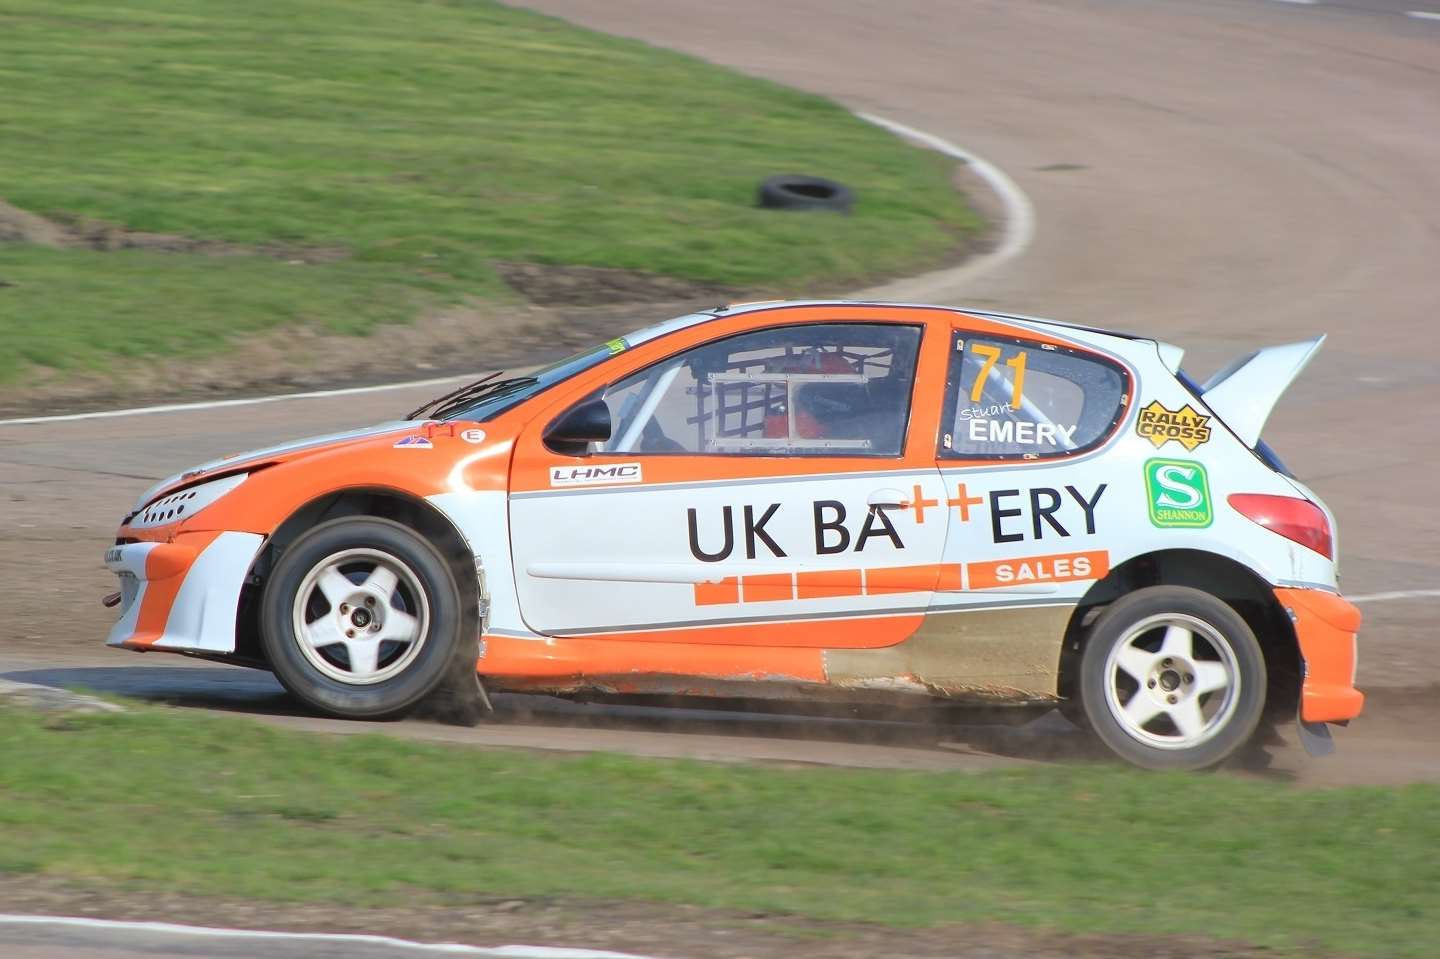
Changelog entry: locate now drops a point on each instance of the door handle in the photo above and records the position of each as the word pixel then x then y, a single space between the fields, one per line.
pixel 887 499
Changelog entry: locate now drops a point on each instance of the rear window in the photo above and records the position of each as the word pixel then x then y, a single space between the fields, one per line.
pixel 1018 399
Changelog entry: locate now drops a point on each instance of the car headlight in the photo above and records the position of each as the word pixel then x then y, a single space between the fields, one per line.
pixel 184 503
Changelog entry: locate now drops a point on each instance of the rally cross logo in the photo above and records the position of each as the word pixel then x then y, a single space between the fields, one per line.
pixel 1179 494
pixel 1185 426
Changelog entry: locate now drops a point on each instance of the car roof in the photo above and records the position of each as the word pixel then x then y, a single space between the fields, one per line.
pixel 757 306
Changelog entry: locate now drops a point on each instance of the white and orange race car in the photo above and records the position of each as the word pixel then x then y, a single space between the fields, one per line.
pixel 859 502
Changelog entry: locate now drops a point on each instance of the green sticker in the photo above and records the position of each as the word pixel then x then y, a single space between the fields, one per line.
pixel 617 345
pixel 1179 493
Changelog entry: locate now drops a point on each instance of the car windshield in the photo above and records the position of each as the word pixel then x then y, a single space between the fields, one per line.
pixel 511 391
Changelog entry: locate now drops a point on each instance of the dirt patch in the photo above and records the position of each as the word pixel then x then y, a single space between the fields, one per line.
pixel 657 929
pixel 79 233
pixel 550 285
pixel 18 226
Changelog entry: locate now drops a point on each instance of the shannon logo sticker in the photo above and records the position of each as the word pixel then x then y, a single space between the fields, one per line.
pixel 1179 494
pixel 414 443
pixel 1185 426
pixel 614 474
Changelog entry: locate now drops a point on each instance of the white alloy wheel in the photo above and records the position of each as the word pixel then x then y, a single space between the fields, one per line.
pixel 1172 681
pixel 360 616
pixel 1172 677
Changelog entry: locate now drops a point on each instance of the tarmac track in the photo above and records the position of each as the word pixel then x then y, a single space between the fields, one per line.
pixel 1222 174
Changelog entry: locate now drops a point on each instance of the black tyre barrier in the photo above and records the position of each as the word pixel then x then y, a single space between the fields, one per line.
pixel 795 192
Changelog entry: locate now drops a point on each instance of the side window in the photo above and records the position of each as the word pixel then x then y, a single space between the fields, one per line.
pixel 1017 399
pixel 832 389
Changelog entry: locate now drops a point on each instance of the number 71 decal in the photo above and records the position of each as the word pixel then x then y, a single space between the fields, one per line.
pixel 992 355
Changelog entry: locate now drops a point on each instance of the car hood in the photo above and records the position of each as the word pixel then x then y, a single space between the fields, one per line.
pixel 238 462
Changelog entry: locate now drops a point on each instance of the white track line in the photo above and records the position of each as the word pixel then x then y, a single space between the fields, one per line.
pixel 1019 211
pixel 220 404
pixel 1422 15
pixel 1305 2
pixel 446 948
pixel 1396 594
pixel 1019 230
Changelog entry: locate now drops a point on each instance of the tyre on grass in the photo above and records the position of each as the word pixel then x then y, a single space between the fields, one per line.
pixel 1172 678
pixel 362 618
pixel 805 193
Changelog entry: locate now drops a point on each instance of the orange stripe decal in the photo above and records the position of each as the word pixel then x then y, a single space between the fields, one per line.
pixel 828 583
pixel 723 593
pixel 902 579
pixel 825 583
pixel 887 580
pixel 769 588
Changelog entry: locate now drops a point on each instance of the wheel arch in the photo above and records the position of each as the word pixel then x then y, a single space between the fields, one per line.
pixel 382 501
pixel 1236 584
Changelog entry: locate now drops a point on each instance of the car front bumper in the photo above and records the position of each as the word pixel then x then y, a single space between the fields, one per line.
pixel 183 594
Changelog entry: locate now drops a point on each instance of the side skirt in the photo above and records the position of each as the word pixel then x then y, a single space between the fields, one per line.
pixel 1006 656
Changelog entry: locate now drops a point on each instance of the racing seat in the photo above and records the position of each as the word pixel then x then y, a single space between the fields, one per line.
pixel 822 410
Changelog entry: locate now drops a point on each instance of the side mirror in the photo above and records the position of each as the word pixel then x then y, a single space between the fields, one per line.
pixel 573 432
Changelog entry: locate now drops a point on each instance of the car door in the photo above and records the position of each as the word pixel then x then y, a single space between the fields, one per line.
pixel 1024 423
pixel 768 486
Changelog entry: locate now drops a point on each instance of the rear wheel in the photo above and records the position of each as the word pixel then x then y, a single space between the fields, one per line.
pixel 361 617
pixel 1172 678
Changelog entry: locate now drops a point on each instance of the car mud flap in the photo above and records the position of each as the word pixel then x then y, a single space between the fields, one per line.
pixel 460 700
pixel 482 698
pixel 1315 737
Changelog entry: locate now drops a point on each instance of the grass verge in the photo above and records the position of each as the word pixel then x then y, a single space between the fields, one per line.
pixel 422 141
pixel 220 806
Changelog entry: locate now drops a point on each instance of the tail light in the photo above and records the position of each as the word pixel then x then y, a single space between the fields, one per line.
pixel 1293 518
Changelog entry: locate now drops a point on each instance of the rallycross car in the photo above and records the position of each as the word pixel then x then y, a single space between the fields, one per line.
pixel 859 502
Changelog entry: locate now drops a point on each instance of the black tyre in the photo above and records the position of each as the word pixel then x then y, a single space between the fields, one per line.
pixel 362 618
pixel 792 192
pixel 1172 678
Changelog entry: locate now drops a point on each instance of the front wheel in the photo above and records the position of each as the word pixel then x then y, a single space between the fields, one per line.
pixel 1172 678
pixel 361 617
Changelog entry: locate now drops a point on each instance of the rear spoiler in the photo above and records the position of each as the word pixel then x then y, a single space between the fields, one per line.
pixel 1243 393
